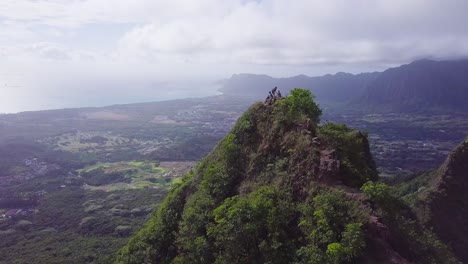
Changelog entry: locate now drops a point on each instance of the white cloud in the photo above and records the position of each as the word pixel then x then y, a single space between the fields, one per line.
pixel 149 40
pixel 301 32
pixel 48 51
pixel 308 32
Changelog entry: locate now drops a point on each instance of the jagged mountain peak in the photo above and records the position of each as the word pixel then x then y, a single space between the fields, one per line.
pixel 278 188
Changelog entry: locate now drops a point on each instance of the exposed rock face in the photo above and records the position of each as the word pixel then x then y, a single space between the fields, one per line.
pixel 329 168
pixel 380 250
pixel 447 206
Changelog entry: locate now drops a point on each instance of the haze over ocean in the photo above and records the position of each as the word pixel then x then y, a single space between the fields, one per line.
pixel 18 100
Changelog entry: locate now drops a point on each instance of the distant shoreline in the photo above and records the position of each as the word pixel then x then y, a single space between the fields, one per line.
pixel 65 106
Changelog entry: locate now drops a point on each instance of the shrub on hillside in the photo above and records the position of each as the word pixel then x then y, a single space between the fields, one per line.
pixel 300 102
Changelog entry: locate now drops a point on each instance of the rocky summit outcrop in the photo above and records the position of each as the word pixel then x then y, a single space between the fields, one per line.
pixel 280 188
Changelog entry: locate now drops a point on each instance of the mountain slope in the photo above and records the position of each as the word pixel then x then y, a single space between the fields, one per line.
pixel 446 204
pixel 440 199
pixel 420 85
pixel 337 88
pixel 280 189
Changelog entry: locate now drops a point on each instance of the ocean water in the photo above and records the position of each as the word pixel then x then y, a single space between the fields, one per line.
pixel 18 99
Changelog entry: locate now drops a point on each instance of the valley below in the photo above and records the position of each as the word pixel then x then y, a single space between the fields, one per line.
pixel 405 143
pixel 75 184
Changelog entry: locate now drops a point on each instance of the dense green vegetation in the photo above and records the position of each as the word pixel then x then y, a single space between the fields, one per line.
pixel 353 148
pixel 336 229
pixel 258 198
pixel 300 103
pixel 76 226
pixel 412 238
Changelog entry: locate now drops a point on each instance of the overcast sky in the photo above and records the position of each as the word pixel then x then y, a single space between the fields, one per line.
pixel 117 51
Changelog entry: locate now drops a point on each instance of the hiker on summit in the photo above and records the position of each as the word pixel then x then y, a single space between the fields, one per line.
pixel 273 95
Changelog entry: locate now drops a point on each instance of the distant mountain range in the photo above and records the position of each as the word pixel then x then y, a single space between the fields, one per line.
pixel 419 85
pixel 337 88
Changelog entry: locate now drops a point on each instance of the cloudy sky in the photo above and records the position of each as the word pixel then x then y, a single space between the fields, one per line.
pixel 62 53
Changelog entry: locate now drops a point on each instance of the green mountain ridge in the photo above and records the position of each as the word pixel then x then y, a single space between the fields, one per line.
pixel 279 188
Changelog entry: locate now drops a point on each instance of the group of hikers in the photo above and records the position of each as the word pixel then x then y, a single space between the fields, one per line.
pixel 273 95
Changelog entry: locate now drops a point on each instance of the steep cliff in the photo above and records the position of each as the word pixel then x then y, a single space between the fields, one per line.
pixel 446 204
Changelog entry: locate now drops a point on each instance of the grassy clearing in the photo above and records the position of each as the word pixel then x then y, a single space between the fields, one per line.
pixel 134 175
pixel 136 163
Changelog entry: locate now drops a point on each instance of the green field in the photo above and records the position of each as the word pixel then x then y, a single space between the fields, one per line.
pixel 125 175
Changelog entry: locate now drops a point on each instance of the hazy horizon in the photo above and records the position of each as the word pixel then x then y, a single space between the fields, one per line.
pixel 69 53
pixel 121 95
